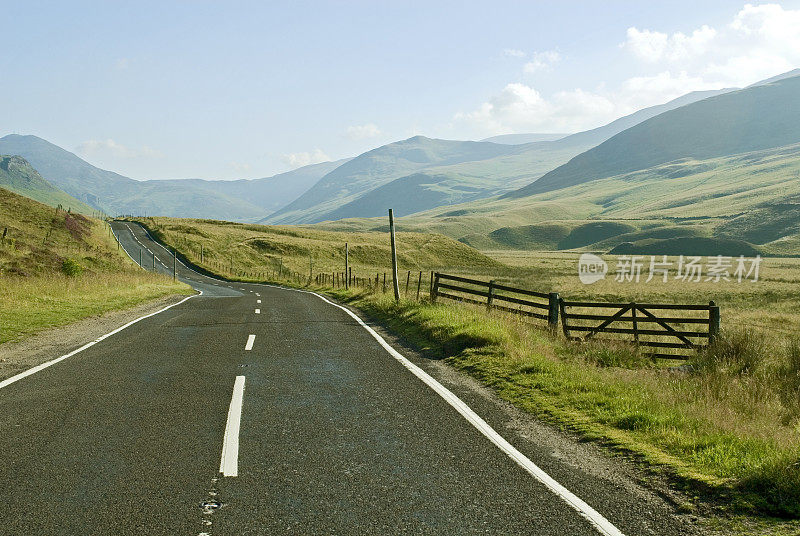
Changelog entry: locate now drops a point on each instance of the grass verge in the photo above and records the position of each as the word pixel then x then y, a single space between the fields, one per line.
pixel 57 267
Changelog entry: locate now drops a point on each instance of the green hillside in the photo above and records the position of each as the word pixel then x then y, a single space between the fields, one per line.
pixel 752 119
pixel 17 175
pixel 427 173
pixel 519 139
pixel 378 167
pixel 58 267
pixel 753 197
pixel 255 249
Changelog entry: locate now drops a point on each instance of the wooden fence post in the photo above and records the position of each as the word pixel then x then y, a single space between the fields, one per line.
pixel 201 253
pixel 419 284
pixel 713 322
pixel 490 297
pixel 635 323
pixel 347 264
pixel 408 280
pixel 552 311
pixel 562 309
pixel 434 287
pixel 395 282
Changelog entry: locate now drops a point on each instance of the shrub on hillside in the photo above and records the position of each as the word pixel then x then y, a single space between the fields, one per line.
pixel 71 268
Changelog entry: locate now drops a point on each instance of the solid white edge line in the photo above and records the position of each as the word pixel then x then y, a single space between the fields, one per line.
pixel 250 340
pixel 229 462
pixel 43 366
pixel 600 523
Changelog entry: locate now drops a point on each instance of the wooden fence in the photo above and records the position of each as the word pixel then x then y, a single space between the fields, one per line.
pixel 539 305
pixel 683 328
pixel 678 328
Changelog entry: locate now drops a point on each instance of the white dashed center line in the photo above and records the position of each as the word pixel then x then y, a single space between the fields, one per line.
pixel 258 311
pixel 258 301
pixel 250 340
pixel 229 463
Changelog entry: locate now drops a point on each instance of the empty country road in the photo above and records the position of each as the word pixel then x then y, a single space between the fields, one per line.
pixel 252 409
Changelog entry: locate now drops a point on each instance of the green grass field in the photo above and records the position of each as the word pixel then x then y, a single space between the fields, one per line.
pixel 57 268
pixel 728 431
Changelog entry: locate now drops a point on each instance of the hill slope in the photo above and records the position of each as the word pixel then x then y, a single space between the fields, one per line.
pixel 18 176
pixel 520 139
pixel 759 117
pixel 378 167
pixel 59 267
pixel 474 170
pixel 754 197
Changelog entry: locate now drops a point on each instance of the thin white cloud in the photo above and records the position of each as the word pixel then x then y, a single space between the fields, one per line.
pixel 363 132
pixel 540 61
pixel 121 64
pixel 655 46
pixel 521 108
pixel 296 160
pixel 513 53
pixel 110 149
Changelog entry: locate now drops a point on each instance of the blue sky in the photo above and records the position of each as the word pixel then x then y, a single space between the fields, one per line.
pixel 248 89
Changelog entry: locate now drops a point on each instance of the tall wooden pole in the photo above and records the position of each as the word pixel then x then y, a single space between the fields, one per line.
pixel 395 284
pixel 347 264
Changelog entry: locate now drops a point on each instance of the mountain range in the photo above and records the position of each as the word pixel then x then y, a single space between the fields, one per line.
pixel 426 173
pixel 720 175
pixel 242 200
pixel 470 189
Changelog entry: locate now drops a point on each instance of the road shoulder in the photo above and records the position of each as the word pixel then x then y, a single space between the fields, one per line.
pixel 16 357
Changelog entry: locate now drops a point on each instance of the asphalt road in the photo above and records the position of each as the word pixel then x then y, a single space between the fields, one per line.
pixel 136 434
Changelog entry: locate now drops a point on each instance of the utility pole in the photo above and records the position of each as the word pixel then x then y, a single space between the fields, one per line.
pixel 394 257
pixel 201 253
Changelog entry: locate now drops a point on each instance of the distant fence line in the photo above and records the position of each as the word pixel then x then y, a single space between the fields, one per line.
pixel 641 323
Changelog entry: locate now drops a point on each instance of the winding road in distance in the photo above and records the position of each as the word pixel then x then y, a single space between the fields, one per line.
pixel 252 409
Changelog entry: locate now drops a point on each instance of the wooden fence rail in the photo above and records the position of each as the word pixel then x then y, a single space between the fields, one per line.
pixel 543 306
pixel 684 327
